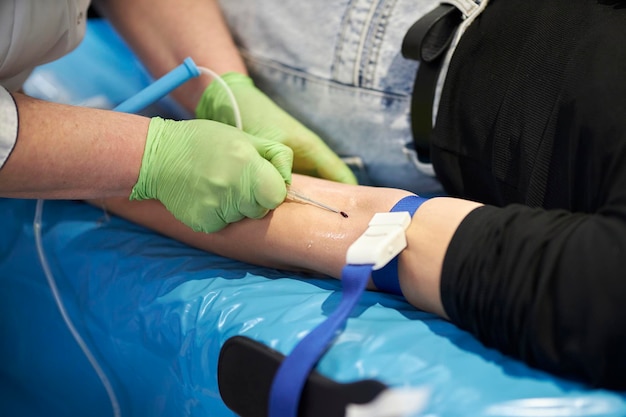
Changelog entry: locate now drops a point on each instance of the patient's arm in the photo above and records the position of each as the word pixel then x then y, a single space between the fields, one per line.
pixel 302 237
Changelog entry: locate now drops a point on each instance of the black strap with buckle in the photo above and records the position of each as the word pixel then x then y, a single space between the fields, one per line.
pixel 427 41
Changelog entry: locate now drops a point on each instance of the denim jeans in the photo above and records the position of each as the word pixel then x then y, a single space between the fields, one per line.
pixel 336 66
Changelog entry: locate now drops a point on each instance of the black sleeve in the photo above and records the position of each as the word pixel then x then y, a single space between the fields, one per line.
pixel 548 287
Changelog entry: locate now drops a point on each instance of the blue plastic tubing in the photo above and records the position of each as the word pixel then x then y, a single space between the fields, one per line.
pixel 160 87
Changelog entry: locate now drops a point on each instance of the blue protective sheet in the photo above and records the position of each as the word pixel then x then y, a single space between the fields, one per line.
pixel 156 312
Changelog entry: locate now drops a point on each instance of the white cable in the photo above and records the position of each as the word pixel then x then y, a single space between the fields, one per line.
pixel 231 96
pixel 115 405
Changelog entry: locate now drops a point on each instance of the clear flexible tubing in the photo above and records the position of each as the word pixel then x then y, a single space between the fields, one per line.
pixel 37 226
pixel 106 383
pixel 229 92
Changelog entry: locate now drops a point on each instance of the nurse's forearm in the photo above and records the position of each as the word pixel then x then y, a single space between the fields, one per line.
pixel 72 152
pixel 165 32
pixel 302 237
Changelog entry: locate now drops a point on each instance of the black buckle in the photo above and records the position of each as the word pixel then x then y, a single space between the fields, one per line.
pixel 246 369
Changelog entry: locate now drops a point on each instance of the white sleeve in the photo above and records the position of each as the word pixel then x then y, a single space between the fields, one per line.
pixel 8 125
pixel 35 32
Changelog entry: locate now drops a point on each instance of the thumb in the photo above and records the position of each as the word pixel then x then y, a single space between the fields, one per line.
pixel 331 167
pixel 277 154
pixel 268 192
pixel 328 165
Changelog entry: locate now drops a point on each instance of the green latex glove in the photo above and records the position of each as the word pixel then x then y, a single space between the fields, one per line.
pixel 209 174
pixel 263 118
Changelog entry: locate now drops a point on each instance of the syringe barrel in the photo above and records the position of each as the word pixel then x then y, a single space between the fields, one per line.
pixel 160 87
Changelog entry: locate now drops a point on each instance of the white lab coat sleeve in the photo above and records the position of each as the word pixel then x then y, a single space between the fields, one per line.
pixel 8 125
pixel 34 32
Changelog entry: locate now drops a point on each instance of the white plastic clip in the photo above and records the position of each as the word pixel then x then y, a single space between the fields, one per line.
pixel 382 241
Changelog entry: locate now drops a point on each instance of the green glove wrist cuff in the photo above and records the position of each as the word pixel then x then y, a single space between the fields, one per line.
pixel 143 188
pixel 215 103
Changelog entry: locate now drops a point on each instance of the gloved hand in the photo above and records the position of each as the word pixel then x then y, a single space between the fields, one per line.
pixel 263 118
pixel 209 174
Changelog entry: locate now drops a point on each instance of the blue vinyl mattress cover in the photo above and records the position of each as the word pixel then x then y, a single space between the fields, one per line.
pixel 156 313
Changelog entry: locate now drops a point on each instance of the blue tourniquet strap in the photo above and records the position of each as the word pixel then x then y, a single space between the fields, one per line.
pixel 293 372
pixel 409 203
pixel 386 278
